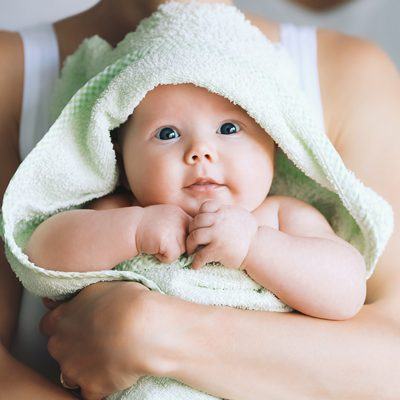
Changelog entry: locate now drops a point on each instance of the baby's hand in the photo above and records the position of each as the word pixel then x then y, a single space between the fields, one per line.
pixel 162 231
pixel 226 232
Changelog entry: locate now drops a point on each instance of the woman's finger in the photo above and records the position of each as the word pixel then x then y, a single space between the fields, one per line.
pixel 47 325
pixel 67 382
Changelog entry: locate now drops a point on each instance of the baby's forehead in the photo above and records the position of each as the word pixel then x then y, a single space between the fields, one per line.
pixel 169 98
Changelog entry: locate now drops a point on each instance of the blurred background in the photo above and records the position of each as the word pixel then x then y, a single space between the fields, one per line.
pixel 376 20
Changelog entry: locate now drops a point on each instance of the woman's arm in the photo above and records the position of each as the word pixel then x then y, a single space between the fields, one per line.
pixel 287 356
pixel 249 355
pixel 21 382
pixel 17 381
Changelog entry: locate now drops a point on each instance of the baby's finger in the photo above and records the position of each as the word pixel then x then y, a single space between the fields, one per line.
pixel 187 225
pixel 202 221
pixel 202 257
pixel 209 206
pixel 182 243
pixel 169 253
pixel 196 238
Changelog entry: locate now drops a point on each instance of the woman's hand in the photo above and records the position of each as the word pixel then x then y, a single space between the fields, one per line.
pixel 224 232
pixel 162 232
pixel 106 338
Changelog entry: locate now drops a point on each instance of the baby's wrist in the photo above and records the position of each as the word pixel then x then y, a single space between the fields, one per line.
pixel 137 214
pixel 252 250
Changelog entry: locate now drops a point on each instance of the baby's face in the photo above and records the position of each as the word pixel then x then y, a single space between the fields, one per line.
pixel 181 133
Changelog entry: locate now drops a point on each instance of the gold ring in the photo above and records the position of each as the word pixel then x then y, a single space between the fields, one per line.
pixel 66 385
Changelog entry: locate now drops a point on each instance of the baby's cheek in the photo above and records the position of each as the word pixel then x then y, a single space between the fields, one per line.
pixel 254 190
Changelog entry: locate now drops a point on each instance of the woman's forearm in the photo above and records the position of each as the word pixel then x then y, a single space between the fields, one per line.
pixel 85 240
pixel 18 381
pixel 252 355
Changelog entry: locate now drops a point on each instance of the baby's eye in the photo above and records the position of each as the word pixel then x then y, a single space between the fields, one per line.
pixel 229 127
pixel 166 133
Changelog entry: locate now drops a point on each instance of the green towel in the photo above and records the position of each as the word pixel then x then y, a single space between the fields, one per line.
pixel 215 47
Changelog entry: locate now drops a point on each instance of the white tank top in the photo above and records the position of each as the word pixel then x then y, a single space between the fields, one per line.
pixel 41 66
pixel 375 20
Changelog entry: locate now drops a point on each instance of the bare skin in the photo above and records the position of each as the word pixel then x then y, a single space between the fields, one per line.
pixel 360 89
pixel 320 5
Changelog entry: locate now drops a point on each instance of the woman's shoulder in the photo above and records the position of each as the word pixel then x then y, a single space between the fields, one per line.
pixel 69 32
pixel 351 72
pixel 11 84
pixel 361 84
pixel 346 65
pixel 11 77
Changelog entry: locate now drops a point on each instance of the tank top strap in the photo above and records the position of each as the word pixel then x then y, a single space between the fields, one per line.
pixel 301 43
pixel 41 69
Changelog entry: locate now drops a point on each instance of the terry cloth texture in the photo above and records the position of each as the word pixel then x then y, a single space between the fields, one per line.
pixel 211 46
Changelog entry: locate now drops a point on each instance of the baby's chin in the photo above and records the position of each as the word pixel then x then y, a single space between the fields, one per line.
pixel 189 209
pixel 193 207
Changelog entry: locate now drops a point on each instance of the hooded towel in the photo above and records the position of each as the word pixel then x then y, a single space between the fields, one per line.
pixel 211 46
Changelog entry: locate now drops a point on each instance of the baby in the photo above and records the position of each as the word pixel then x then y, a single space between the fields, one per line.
pixel 196 171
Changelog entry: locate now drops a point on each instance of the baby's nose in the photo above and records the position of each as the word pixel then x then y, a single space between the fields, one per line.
pixel 201 152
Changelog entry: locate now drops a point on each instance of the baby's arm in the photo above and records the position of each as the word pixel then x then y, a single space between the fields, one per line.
pixel 306 264
pixel 86 239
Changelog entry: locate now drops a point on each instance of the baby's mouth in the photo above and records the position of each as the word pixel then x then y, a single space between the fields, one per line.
pixel 203 187
pixel 204 184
